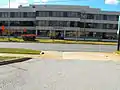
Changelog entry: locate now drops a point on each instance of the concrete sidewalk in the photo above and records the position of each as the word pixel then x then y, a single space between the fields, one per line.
pixel 70 55
pixel 81 55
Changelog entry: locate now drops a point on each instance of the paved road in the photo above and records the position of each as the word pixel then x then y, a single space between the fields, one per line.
pixel 61 47
pixel 60 75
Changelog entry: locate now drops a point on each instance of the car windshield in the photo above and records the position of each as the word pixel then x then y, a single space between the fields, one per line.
pixel 59 45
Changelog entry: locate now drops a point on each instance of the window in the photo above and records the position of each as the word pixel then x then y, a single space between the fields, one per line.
pixel 12 14
pixel 89 25
pixel 72 14
pixel 104 17
pixel 24 14
pixel 50 14
pixel 71 33
pixel 65 14
pixel 90 16
pixel 43 14
pixel 112 18
pixel 117 18
pixel 4 14
pixel 43 33
pixel 104 26
pixel 98 17
pixel 37 13
pixel 42 23
pixel 14 23
pixel 72 24
pixel 0 14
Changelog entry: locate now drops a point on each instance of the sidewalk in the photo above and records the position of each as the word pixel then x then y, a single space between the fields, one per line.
pixel 81 55
pixel 70 55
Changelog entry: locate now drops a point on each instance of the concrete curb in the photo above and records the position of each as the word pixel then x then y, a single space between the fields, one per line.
pixel 59 43
pixel 14 61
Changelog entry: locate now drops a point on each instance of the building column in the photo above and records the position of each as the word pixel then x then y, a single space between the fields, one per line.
pixel 36 32
pixel 64 33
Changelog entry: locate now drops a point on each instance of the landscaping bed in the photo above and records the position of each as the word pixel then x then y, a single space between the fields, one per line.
pixel 19 51
pixel 118 52
pixel 4 58
pixel 58 41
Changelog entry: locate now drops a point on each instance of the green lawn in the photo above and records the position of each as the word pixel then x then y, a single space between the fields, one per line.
pixel 58 41
pixel 118 52
pixel 2 58
pixel 75 42
pixel 19 51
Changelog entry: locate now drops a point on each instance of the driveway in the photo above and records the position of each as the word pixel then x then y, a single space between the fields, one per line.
pixel 48 74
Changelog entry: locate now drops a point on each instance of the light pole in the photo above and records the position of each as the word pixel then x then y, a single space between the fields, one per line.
pixel 9 21
pixel 118 33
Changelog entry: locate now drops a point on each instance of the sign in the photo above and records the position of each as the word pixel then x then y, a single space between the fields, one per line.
pixel 25 30
pixel 3 27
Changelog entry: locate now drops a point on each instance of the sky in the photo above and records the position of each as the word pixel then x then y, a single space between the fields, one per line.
pixel 106 5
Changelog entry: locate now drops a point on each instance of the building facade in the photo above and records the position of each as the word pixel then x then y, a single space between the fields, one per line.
pixel 72 21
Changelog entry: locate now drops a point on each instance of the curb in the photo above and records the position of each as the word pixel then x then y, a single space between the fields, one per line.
pixel 14 61
pixel 58 43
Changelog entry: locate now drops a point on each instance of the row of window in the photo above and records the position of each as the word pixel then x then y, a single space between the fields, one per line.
pixel 77 24
pixel 76 15
pixel 18 23
pixel 17 14
pixel 61 24
pixel 80 34
pixel 59 14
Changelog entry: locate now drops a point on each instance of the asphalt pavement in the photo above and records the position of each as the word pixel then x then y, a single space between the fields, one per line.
pixel 61 47
pixel 43 74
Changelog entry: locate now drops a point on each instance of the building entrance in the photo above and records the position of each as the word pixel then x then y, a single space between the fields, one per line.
pixel 57 34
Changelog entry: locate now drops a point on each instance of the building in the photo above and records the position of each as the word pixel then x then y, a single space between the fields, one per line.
pixel 72 21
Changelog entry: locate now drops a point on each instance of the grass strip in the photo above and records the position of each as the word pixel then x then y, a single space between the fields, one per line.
pixel 19 51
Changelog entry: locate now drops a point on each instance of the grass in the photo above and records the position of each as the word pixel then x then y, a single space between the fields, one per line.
pixel 19 51
pixel 75 42
pixel 2 58
pixel 118 52
pixel 58 41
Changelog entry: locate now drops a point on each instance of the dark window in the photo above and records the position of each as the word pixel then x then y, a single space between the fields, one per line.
pixel 117 18
pixel 37 13
pixel 4 14
pixel 0 14
pixel 104 26
pixel 98 17
pixel 12 14
pixel 88 25
pixel 104 17
pixel 90 16
pixel 24 14
pixel 50 13
pixel 115 26
pixel 72 14
pixel 72 24
pixel 65 14
pixel 80 24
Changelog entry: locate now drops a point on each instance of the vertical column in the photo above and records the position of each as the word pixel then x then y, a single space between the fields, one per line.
pixel 36 31
pixel 64 33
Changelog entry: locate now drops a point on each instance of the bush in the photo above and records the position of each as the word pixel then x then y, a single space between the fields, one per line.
pixel 28 37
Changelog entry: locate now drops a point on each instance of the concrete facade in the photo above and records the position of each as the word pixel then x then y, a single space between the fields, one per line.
pixel 73 21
